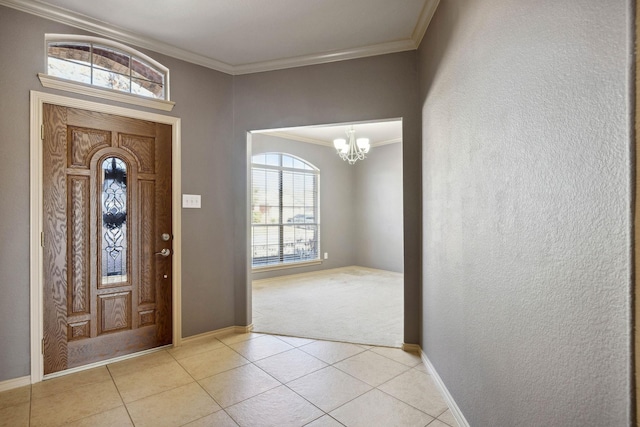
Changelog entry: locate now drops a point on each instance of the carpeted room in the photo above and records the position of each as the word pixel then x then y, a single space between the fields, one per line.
pixel 350 288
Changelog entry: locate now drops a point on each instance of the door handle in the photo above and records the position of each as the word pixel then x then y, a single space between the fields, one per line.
pixel 165 252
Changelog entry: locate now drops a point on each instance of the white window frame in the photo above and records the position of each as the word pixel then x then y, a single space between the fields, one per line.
pixel 314 170
pixel 104 93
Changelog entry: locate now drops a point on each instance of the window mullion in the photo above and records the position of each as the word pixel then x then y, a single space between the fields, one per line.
pixel 130 73
pixel 281 215
pixel 91 60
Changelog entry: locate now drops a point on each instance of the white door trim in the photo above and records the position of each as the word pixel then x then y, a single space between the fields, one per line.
pixel 36 212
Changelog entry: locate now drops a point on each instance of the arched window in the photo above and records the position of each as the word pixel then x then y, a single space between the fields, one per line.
pixel 105 64
pixel 114 220
pixel 285 224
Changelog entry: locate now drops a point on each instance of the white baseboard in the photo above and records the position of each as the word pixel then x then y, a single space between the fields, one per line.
pixel 453 406
pixel 15 383
pixel 411 348
pixel 220 332
pixel 244 329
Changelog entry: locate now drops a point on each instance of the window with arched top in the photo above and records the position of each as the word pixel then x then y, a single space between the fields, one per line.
pixel 285 224
pixel 104 64
pixel 113 208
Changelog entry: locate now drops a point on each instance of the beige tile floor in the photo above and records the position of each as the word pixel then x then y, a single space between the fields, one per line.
pixel 240 380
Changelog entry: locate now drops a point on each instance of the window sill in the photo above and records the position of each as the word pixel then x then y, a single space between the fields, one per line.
pixel 112 95
pixel 285 266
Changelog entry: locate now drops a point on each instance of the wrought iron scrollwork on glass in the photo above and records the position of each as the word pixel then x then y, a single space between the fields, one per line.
pixel 114 220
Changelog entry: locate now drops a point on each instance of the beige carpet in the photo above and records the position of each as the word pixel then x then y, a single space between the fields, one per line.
pixel 352 304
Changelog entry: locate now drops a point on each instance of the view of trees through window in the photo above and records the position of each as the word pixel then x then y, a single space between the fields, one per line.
pixel 284 210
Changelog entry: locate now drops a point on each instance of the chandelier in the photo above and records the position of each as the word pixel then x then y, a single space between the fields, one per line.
pixel 352 149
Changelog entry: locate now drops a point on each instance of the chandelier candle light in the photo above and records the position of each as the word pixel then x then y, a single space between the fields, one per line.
pixel 353 150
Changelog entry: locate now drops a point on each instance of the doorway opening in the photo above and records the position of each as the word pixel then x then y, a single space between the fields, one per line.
pixel 326 236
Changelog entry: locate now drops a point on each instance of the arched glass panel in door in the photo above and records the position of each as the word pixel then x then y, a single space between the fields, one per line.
pixel 114 220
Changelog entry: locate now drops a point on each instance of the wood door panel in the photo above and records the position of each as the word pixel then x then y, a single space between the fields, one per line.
pixel 142 148
pixel 147 280
pixel 79 330
pixel 54 201
pixel 114 312
pixel 83 143
pixel 108 346
pixel 104 121
pixel 86 320
pixel 147 318
pixel 163 225
pixel 79 259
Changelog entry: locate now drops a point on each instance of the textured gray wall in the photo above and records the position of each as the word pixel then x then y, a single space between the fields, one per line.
pixel 527 201
pixel 378 217
pixel 204 103
pixel 336 201
pixel 373 88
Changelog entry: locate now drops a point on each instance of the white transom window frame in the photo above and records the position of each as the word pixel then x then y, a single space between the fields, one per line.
pixel 53 82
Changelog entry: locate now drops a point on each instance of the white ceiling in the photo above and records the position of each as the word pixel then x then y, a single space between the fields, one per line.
pixel 245 36
pixel 379 133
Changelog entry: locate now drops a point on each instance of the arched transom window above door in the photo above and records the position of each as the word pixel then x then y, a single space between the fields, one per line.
pixel 106 69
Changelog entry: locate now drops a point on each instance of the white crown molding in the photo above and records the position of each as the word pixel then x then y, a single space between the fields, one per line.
pixel 423 21
pixel 324 58
pixel 387 142
pixel 322 142
pixel 299 138
pixel 86 23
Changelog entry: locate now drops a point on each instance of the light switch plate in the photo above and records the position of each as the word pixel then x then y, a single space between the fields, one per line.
pixel 191 201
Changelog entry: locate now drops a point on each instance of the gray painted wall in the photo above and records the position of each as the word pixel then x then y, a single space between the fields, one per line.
pixel 378 217
pixel 373 88
pixel 526 155
pixel 336 196
pixel 216 110
pixel 204 103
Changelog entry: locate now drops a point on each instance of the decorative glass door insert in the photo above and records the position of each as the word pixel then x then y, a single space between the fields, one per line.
pixel 114 221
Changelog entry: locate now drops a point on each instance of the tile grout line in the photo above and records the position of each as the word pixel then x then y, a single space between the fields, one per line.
pixel 126 408
pixel 30 402
pixel 271 376
pixel 332 365
pixel 203 389
pixel 200 385
pixel 228 370
pixel 407 403
pixel 377 387
pixel 408 368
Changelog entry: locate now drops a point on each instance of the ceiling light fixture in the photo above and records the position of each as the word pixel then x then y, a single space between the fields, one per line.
pixel 354 149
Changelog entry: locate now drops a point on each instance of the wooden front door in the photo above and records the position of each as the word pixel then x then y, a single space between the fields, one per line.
pixel 107 236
